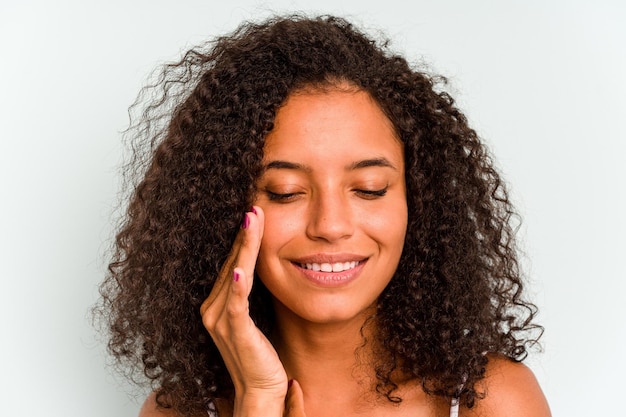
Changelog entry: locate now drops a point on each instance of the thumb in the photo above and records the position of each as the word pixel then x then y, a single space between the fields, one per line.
pixel 294 403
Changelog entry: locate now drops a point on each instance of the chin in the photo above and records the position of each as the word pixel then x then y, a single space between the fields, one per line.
pixel 334 311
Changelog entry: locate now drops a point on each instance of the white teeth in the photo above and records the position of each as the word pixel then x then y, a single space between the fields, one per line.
pixel 327 267
pixel 314 267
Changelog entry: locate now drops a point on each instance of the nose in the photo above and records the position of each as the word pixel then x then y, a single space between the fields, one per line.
pixel 330 217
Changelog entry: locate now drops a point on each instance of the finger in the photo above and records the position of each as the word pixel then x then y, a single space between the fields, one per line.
pixel 225 276
pixel 249 250
pixel 294 402
pixel 237 300
pixel 243 273
pixel 243 254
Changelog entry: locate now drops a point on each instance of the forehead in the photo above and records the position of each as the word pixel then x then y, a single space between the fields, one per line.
pixel 339 120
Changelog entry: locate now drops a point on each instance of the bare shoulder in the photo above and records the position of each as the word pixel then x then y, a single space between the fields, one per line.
pixel 150 408
pixel 511 390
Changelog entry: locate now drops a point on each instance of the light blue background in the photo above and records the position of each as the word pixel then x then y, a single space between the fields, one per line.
pixel 542 82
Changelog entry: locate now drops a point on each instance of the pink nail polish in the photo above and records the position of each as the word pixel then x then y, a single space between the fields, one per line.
pixel 252 209
pixel 236 276
pixel 246 221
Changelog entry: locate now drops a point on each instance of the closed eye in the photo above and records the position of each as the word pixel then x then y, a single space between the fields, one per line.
pixel 372 194
pixel 287 197
pixel 280 197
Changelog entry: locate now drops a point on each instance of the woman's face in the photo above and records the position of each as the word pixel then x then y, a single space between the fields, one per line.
pixel 333 193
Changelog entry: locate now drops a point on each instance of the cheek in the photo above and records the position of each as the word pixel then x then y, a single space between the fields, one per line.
pixel 388 223
pixel 280 225
pixel 279 229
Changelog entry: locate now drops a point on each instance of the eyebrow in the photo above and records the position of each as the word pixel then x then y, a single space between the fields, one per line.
pixel 365 163
pixel 375 162
pixel 286 165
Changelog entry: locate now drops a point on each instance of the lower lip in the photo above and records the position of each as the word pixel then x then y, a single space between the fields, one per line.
pixel 331 279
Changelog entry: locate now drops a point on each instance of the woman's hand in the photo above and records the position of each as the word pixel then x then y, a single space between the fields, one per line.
pixel 294 403
pixel 258 375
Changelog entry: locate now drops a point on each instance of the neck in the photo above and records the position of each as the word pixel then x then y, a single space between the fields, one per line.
pixel 334 364
pixel 331 361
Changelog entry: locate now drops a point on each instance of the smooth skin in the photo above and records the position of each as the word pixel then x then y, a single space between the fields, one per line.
pixel 333 190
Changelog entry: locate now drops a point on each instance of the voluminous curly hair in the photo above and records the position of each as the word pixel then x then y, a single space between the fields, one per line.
pixel 198 146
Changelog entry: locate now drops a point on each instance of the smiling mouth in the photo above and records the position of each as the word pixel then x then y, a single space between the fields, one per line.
pixel 330 267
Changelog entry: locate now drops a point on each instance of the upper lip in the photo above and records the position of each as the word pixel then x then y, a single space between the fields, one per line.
pixel 320 258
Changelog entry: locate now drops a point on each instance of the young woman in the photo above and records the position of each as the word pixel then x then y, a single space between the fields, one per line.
pixel 317 232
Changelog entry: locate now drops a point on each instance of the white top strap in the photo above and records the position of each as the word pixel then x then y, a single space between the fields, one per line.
pixel 454 408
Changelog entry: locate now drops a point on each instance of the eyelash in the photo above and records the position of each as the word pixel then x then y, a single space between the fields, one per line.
pixel 367 194
pixel 372 194
pixel 281 198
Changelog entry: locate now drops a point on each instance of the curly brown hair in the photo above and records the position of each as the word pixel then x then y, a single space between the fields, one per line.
pixel 198 146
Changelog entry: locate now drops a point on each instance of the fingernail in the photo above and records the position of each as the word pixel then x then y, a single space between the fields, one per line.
pixel 252 209
pixel 236 276
pixel 246 221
